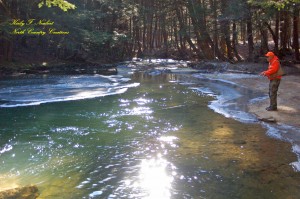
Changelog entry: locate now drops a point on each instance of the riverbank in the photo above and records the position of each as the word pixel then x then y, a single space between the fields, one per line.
pixel 288 94
pixel 282 124
pixel 288 99
pixel 58 68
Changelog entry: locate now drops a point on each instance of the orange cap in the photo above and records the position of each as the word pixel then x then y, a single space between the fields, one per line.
pixel 270 54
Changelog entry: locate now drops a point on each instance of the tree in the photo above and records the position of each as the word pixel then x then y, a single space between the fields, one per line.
pixel 62 4
pixel 120 29
pixel 284 12
pixel 295 31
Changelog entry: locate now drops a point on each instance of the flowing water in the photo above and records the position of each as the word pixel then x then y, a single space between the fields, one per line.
pixel 136 136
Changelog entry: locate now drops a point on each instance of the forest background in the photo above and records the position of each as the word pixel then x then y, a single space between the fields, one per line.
pixel 41 32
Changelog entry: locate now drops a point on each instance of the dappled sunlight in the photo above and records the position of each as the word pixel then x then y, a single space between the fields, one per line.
pixel 287 109
pixel 222 132
pixel 229 146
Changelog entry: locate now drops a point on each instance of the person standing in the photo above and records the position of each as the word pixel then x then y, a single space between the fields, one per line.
pixel 274 66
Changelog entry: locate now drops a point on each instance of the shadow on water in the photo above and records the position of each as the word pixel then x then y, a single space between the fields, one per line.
pixel 157 140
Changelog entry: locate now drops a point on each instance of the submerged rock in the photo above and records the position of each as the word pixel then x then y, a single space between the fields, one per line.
pixel 239 142
pixel 28 192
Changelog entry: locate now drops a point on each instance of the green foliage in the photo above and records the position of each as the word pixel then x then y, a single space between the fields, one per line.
pixel 94 39
pixel 279 5
pixel 62 4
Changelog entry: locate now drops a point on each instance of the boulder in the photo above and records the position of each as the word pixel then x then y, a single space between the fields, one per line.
pixel 27 192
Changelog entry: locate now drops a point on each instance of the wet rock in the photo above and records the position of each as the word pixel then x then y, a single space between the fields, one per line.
pixel 154 72
pixel 268 119
pixel 28 192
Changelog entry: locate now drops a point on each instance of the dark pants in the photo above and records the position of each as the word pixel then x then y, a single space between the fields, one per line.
pixel 273 88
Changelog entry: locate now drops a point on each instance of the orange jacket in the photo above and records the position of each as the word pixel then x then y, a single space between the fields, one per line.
pixel 273 68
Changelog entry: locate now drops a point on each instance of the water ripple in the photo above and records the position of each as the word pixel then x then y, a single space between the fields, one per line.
pixel 6 148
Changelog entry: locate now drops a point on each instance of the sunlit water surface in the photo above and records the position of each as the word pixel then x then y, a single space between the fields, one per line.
pixel 138 136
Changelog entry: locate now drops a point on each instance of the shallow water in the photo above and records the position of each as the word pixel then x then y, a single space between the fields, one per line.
pixel 148 137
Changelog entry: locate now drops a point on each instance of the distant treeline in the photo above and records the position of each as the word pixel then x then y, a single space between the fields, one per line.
pixel 114 30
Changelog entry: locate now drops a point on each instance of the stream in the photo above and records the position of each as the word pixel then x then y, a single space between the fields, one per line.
pixel 138 135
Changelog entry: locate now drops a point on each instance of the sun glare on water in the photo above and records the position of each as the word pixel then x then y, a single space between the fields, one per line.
pixel 154 179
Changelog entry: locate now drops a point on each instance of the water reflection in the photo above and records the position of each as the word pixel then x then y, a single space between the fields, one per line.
pixel 155 179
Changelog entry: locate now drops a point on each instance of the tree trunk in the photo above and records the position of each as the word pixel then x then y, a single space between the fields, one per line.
pixel 276 35
pixel 185 35
pixel 154 34
pixel 250 40
pixel 177 40
pixel 235 41
pixel 250 36
pixel 296 33
pixel 203 38
pixel 225 28
pixel 284 30
pixel 215 25
pixel 243 31
pixel 264 40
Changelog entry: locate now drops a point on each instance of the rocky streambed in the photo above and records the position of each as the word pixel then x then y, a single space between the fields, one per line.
pixel 27 192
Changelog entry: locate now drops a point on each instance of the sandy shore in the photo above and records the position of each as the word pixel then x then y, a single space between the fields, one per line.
pixel 283 124
pixel 288 95
pixel 288 99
